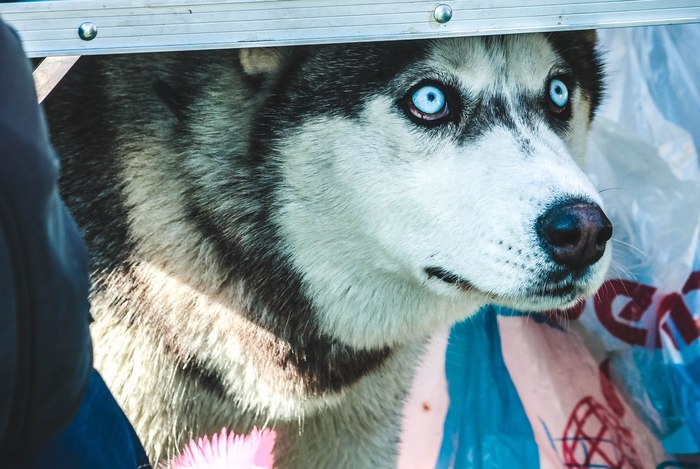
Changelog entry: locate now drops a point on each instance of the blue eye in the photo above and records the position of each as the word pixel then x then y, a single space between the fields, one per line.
pixel 428 103
pixel 558 93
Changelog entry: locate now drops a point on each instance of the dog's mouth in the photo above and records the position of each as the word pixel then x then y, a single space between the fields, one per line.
pixel 449 278
pixel 565 291
pixel 553 298
pixel 565 288
pixel 562 284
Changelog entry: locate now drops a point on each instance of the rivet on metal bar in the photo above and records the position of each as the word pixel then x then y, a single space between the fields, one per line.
pixel 442 13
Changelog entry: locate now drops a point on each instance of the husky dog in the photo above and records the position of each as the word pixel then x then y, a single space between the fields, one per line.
pixel 275 232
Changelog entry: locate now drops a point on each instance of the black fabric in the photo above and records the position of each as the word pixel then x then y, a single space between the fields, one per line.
pixel 99 437
pixel 45 348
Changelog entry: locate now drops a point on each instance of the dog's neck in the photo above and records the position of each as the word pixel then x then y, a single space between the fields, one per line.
pixel 249 326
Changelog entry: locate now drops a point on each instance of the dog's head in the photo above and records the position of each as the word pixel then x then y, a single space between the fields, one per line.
pixel 419 181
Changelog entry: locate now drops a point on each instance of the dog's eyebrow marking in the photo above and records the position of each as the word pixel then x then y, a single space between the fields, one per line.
pixel 486 113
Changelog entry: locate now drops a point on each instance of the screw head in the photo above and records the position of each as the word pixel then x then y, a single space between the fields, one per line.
pixel 442 13
pixel 87 31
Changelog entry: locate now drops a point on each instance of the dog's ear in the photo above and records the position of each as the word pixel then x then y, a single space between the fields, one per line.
pixel 260 60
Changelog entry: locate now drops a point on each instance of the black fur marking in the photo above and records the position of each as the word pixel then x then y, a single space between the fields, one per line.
pixel 169 97
pixel 485 114
pixel 525 146
pixel 209 380
pixel 317 361
pixel 449 277
pixel 357 71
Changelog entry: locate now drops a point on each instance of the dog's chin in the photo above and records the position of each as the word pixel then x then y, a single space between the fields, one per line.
pixel 537 300
pixel 543 295
pixel 560 298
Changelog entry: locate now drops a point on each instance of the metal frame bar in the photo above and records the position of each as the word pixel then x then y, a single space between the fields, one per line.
pixel 50 28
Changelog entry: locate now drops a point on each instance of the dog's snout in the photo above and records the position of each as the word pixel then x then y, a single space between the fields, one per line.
pixel 574 234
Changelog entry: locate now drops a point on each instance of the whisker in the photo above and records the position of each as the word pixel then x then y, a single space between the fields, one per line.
pixel 634 249
pixel 622 272
pixel 612 189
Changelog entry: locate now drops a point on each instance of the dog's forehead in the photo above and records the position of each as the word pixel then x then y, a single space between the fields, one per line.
pixel 337 80
pixel 487 63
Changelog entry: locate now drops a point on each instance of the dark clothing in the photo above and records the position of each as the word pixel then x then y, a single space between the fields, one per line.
pixel 45 347
pixel 99 437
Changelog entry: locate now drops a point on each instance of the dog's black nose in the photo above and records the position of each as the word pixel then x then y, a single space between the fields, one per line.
pixel 574 233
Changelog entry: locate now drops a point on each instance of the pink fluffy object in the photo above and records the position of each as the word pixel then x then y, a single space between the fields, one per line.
pixel 228 450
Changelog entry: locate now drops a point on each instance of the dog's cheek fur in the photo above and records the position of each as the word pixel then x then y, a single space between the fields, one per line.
pixel 365 291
